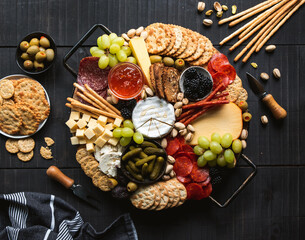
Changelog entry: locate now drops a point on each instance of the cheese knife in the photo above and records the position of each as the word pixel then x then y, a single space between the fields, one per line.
pixel 78 190
pixel 277 111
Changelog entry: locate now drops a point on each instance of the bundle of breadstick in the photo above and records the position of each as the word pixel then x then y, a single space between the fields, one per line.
pixel 274 14
pixel 98 105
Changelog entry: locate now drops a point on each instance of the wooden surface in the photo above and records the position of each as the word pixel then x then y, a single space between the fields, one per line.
pixel 272 205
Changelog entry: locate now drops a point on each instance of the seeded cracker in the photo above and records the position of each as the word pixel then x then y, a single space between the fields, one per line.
pixel 157 40
pixel 157 197
pixel 200 48
pixel 26 145
pixel 80 154
pixel 233 92
pixel 25 157
pixel 172 39
pixel 164 197
pixel 100 180
pixel 192 44
pixel 185 40
pixel 26 86
pixel 1 100
pixel 46 152
pixel 11 145
pixel 208 52
pixel 178 41
pixel 83 162
pixel 6 89
pixel 243 95
pixel 143 198
pixel 10 120
pixel 30 121
pixel 8 101
pixel 91 168
pixel 49 141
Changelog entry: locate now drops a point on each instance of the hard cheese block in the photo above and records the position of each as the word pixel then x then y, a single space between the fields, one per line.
pixel 139 50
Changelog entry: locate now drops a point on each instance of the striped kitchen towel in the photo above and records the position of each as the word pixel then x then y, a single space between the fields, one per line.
pixel 27 215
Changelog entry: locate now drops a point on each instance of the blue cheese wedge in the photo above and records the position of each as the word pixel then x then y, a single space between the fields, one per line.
pixel 153 117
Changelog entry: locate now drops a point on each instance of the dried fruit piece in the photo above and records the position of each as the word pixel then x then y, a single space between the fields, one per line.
pixel 234 9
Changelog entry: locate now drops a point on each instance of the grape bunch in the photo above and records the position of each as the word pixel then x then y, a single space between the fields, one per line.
pixel 126 134
pixel 219 151
pixel 111 50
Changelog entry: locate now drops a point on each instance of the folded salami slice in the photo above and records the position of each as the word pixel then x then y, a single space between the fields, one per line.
pixel 183 166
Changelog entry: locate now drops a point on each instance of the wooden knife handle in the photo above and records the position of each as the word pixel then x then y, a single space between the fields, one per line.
pixel 277 111
pixel 54 173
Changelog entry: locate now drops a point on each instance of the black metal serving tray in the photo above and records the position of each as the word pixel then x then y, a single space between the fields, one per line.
pixel 241 157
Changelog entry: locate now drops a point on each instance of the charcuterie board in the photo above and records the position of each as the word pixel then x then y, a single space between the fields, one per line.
pixel 159 116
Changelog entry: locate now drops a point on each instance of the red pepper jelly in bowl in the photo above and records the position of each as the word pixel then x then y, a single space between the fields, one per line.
pixel 126 80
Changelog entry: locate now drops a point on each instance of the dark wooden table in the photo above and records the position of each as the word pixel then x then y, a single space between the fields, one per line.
pixel 272 205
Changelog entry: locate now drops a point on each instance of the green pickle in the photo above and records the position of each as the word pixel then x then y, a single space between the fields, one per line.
pixel 155 151
pixel 151 166
pixel 145 160
pixel 135 175
pixel 131 153
pixel 133 167
pixel 144 169
pixel 157 169
pixel 148 144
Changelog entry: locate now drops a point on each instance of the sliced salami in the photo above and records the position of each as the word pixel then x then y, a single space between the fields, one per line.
pixel 173 145
pixel 206 182
pixel 187 148
pixel 207 190
pixel 210 68
pixel 219 78
pixel 195 191
pixel 199 174
pixel 218 60
pixel 184 180
pixel 183 166
pixel 229 70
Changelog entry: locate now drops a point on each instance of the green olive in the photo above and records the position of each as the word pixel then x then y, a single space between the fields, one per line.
pixel 34 42
pixel 155 59
pixel 28 64
pixel 168 61
pixel 32 50
pixel 44 42
pixel 38 66
pixel 42 49
pixel 50 54
pixel 179 64
pixel 24 45
pixel 243 105
pixel 112 183
pixel 40 56
pixel 247 116
pixel 131 187
pixel 25 56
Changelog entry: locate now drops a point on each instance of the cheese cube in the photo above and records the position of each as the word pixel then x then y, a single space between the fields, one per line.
pixel 81 123
pixel 75 115
pixel 89 133
pixel 74 140
pixel 102 120
pixel 73 130
pixel 107 134
pixel 80 133
pixel 92 140
pixel 98 129
pixel 92 123
pixel 82 141
pixel 113 141
pixel 117 122
pixel 71 124
pixel 100 141
pixel 109 126
pixel 86 117
pixel 90 147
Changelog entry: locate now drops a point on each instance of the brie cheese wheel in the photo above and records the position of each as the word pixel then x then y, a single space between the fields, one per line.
pixel 153 117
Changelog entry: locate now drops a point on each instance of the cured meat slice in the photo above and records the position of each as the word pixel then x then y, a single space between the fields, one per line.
pixel 195 191
pixel 173 146
pixel 183 166
pixel 210 68
pixel 199 174
pixel 184 180
pixel 187 148
pixel 219 78
pixel 230 71
pixel 206 182
pixel 218 60
pixel 207 190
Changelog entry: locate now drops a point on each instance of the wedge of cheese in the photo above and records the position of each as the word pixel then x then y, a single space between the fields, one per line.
pixel 139 51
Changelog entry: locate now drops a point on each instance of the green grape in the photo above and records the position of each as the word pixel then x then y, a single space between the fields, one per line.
pixel 119 40
pixel 138 137
pixel 105 42
pixel 124 141
pixel 121 55
pixel 127 50
pixel 99 42
pixel 131 60
pixel 201 161
pixel 221 160
pixel 112 36
pixel 216 137
pixel 93 49
pixel 98 53
pixel 226 140
pixel 203 142
pixel 237 146
pixel 103 62
pixel 229 156
pixel 117 133
pixel 232 165
pixel 128 124
pixel 198 150
pixel 114 48
pixel 112 60
pixel 209 155
pixel 127 132
pixel 215 147
pixel 212 163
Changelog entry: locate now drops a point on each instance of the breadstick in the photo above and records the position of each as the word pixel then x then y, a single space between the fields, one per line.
pixel 88 100
pixel 81 110
pixel 108 105
pixel 250 14
pixel 296 7
pixel 243 12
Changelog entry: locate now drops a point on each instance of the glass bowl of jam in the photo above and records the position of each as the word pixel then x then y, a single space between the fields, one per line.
pixel 126 80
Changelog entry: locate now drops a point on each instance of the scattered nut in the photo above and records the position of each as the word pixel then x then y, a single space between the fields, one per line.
pixel 139 31
pixel 219 14
pixel 172 174
pixel 178 105
pixel 178 112
pixel 179 126
pixel 180 96
pixel 149 91
pixel 270 48
pixel 264 119
pixel 189 137
pixel 185 101
pixel 164 143
pixel 244 143
pixel 264 76
pixel 217 6
pixel 131 33
pixel 183 132
pixel 166 177
pixel 114 99
pixel 209 12
pixel 109 99
pixel 174 133
pixel 253 64
pixel 171 159
pixel 143 94
pixel 190 128
pixel 207 22
pixel 276 73
pixel 200 6
pixel 124 35
pixel 244 134
pixel 168 168
pixel 144 35
pixel 234 9
pixel 224 7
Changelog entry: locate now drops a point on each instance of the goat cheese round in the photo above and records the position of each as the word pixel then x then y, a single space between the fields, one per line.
pixel 153 117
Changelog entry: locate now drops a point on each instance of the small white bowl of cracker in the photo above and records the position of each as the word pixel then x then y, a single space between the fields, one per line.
pixel 24 106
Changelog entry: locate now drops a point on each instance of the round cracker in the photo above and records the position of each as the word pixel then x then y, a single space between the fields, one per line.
pixel 27 86
pixel 100 180
pixel 182 191
pixel 207 54
pixel 26 145
pixel 6 89
pixel 192 45
pixel 8 101
pixel 1 101
pixel 175 191
pixel 80 154
pixel 46 153
pixel 25 157
pixel 185 39
pixel 91 168
pixel 164 196
pixel 243 95
pixel 178 41
pixel 158 38
pixel 11 145
pixel 30 121
pixel 157 197
pixel 172 39
pixel 144 197
pixel 237 82
pixel 85 160
pixel 233 93
pixel 10 120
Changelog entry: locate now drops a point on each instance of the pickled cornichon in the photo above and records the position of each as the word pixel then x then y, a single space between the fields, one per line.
pixel 131 153
pixel 135 175
pixel 145 160
pixel 157 169
pixel 151 150
pixel 133 167
pixel 148 144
